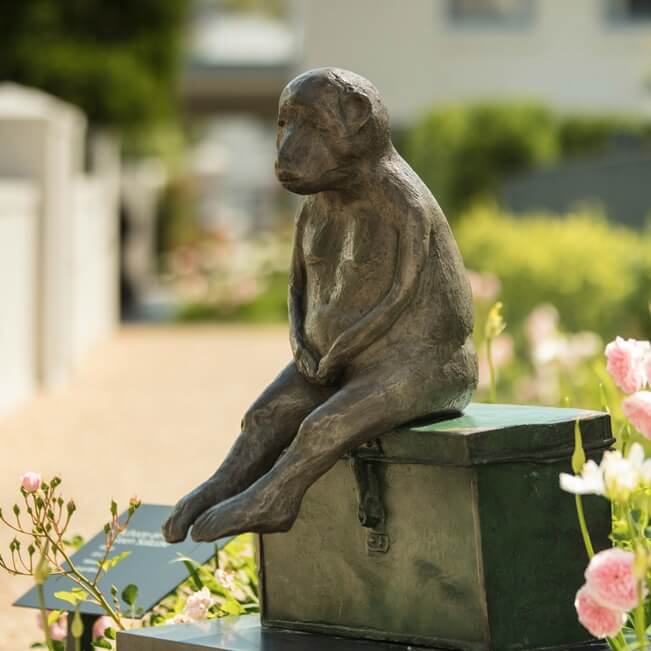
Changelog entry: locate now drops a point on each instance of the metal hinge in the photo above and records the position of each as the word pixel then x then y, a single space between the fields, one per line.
pixel 371 512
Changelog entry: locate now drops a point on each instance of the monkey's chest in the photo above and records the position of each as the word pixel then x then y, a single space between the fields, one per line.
pixel 339 254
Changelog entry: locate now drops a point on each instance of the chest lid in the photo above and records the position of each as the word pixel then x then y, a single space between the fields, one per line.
pixel 488 433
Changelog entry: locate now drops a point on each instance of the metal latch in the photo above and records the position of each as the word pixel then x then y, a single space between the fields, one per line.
pixel 371 511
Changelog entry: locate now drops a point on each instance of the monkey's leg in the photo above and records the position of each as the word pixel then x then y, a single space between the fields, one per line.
pixel 362 410
pixel 268 427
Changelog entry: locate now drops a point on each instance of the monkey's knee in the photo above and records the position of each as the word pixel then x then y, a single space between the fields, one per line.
pixel 257 420
pixel 321 435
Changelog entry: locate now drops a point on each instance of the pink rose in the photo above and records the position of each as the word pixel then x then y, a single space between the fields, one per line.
pixel 600 621
pixel 611 581
pixel 30 481
pixel 100 625
pixel 626 360
pixel 485 286
pixel 58 629
pixel 637 408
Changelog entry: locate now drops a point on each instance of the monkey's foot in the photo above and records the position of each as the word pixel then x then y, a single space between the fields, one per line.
pixel 254 510
pixel 189 508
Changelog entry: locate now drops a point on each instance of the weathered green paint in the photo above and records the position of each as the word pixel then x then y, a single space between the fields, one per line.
pixel 484 550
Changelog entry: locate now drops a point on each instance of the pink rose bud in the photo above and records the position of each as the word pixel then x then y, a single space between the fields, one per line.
pixel 600 621
pixel 31 481
pixel 611 580
pixel 100 625
pixel 626 360
pixel 637 408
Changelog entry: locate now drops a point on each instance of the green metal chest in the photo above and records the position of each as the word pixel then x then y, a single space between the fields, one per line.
pixel 452 534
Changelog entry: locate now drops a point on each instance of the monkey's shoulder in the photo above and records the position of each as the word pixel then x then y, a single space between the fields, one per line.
pixel 402 195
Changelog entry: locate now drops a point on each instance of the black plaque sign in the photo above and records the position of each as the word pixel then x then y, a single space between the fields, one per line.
pixel 150 564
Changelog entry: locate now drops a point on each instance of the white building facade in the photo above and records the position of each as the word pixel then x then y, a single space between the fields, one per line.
pixel 575 55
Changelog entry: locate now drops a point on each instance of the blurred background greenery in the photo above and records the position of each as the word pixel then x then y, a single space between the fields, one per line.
pixel 189 88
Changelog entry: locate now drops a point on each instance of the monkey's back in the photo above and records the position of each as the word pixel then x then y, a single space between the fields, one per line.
pixel 441 310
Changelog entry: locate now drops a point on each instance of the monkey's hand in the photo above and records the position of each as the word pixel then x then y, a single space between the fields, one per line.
pixel 330 368
pixel 306 363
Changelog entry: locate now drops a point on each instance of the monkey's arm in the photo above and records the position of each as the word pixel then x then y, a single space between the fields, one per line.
pixel 306 362
pixel 413 251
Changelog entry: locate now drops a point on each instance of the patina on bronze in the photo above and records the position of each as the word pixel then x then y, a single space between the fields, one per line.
pixel 380 312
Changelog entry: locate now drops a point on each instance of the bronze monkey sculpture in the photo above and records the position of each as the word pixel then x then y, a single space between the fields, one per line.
pixel 379 304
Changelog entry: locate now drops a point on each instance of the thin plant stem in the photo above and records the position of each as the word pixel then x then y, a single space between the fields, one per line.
pixel 640 623
pixel 584 526
pixel 491 369
pixel 82 581
pixel 41 603
pixel 638 614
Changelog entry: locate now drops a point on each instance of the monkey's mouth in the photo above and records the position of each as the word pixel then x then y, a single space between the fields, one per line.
pixel 287 177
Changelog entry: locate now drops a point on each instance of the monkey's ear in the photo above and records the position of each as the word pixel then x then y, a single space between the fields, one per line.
pixel 355 110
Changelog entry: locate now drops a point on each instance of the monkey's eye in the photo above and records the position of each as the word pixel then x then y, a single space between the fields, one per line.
pixel 281 123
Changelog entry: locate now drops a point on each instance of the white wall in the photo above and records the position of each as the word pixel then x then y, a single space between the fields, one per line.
pixel 18 328
pixel 571 55
pixel 58 242
pixel 94 270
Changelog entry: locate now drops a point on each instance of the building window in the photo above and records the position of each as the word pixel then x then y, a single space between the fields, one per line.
pixel 491 12
pixel 629 10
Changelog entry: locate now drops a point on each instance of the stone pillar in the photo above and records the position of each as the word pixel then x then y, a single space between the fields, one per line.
pixel 42 141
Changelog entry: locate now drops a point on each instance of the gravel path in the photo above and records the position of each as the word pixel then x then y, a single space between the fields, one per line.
pixel 150 412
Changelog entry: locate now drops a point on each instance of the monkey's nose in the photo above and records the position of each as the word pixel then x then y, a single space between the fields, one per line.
pixel 283 173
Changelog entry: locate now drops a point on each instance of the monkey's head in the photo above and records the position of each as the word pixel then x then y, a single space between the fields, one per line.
pixel 329 122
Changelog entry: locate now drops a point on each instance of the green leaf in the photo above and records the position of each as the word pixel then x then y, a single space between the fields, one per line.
pixel 101 643
pixel 110 633
pixel 130 594
pixel 110 563
pixel 193 570
pixel 58 645
pixel 53 616
pixel 74 597
pixel 114 508
pixel 37 645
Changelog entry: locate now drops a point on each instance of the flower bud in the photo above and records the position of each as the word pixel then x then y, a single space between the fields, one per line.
pixel 640 563
pixel 16 510
pixel 42 571
pixel 71 506
pixel 495 323
pixel 31 482
pixel 578 458
pixel 77 628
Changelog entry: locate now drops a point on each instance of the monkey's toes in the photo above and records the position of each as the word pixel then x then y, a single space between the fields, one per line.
pixel 175 528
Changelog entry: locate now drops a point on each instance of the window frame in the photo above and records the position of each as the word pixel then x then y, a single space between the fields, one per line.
pixel 521 20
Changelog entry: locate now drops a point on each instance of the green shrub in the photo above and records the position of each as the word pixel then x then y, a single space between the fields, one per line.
pixel 598 275
pixel 464 153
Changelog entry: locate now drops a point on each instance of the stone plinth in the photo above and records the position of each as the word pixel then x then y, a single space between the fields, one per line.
pixel 239 634
pixel 469 542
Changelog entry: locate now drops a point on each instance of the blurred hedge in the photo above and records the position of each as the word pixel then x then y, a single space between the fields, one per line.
pixel 597 274
pixel 464 153
pixel 116 59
